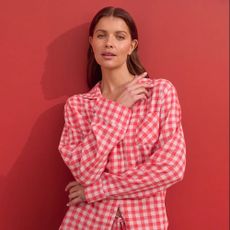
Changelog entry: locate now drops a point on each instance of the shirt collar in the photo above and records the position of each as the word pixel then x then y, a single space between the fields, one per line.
pixel 94 93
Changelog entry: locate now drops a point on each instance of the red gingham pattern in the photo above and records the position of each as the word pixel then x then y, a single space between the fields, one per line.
pixel 119 224
pixel 125 158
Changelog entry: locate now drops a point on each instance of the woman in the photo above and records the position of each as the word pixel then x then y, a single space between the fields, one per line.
pixel 122 140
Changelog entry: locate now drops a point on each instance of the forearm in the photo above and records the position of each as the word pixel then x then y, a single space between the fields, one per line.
pixel 146 179
pixel 86 155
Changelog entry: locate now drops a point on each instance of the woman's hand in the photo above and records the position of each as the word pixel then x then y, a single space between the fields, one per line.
pixel 134 91
pixel 76 193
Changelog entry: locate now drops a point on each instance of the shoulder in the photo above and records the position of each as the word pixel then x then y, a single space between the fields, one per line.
pixel 82 101
pixel 74 100
pixel 160 86
pixel 162 83
pixel 75 103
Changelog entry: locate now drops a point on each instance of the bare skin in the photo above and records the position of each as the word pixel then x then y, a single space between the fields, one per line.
pixel 133 92
pixel 76 193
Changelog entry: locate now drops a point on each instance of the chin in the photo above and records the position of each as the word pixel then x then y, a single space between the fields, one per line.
pixel 110 65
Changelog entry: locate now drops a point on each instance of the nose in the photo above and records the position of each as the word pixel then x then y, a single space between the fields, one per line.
pixel 109 42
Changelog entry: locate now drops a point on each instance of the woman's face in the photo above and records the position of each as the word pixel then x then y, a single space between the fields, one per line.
pixel 112 42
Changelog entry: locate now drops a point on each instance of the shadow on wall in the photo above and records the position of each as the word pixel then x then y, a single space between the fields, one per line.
pixel 32 194
pixel 65 65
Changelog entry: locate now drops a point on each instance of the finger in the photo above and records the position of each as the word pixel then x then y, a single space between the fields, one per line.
pixel 75 188
pixel 138 86
pixel 74 195
pixel 71 184
pixel 138 77
pixel 140 91
pixel 142 75
pixel 75 201
pixel 140 97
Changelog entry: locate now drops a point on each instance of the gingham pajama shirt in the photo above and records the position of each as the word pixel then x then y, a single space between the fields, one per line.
pixel 125 158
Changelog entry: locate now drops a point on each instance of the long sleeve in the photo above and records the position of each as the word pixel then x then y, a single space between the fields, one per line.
pixel 165 166
pixel 86 154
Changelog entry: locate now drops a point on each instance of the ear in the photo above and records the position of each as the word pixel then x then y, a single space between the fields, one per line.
pixel 90 40
pixel 133 46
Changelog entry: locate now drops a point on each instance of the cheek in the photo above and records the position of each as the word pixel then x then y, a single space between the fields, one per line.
pixel 96 45
pixel 97 52
pixel 125 49
pixel 96 48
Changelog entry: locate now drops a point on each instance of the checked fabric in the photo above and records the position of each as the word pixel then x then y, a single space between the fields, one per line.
pixel 125 158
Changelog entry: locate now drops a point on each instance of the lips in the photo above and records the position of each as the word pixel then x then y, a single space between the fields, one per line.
pixel 108 54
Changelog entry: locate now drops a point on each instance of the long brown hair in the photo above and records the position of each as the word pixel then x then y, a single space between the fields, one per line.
pixel 133 63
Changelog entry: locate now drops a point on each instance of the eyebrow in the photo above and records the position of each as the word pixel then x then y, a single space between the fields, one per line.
pixel 104 31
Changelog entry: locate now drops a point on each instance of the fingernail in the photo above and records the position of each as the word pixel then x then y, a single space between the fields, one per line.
pixel 142 75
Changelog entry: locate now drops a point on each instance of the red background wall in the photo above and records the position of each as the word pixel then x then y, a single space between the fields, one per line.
pixel 43 46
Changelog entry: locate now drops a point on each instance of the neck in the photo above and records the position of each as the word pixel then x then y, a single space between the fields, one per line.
pixel 113 80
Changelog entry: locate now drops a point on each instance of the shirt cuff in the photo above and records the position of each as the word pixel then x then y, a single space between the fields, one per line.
pixel 94 192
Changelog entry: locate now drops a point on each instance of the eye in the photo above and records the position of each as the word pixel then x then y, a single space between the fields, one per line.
pixel 120 37
pixel 100 36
